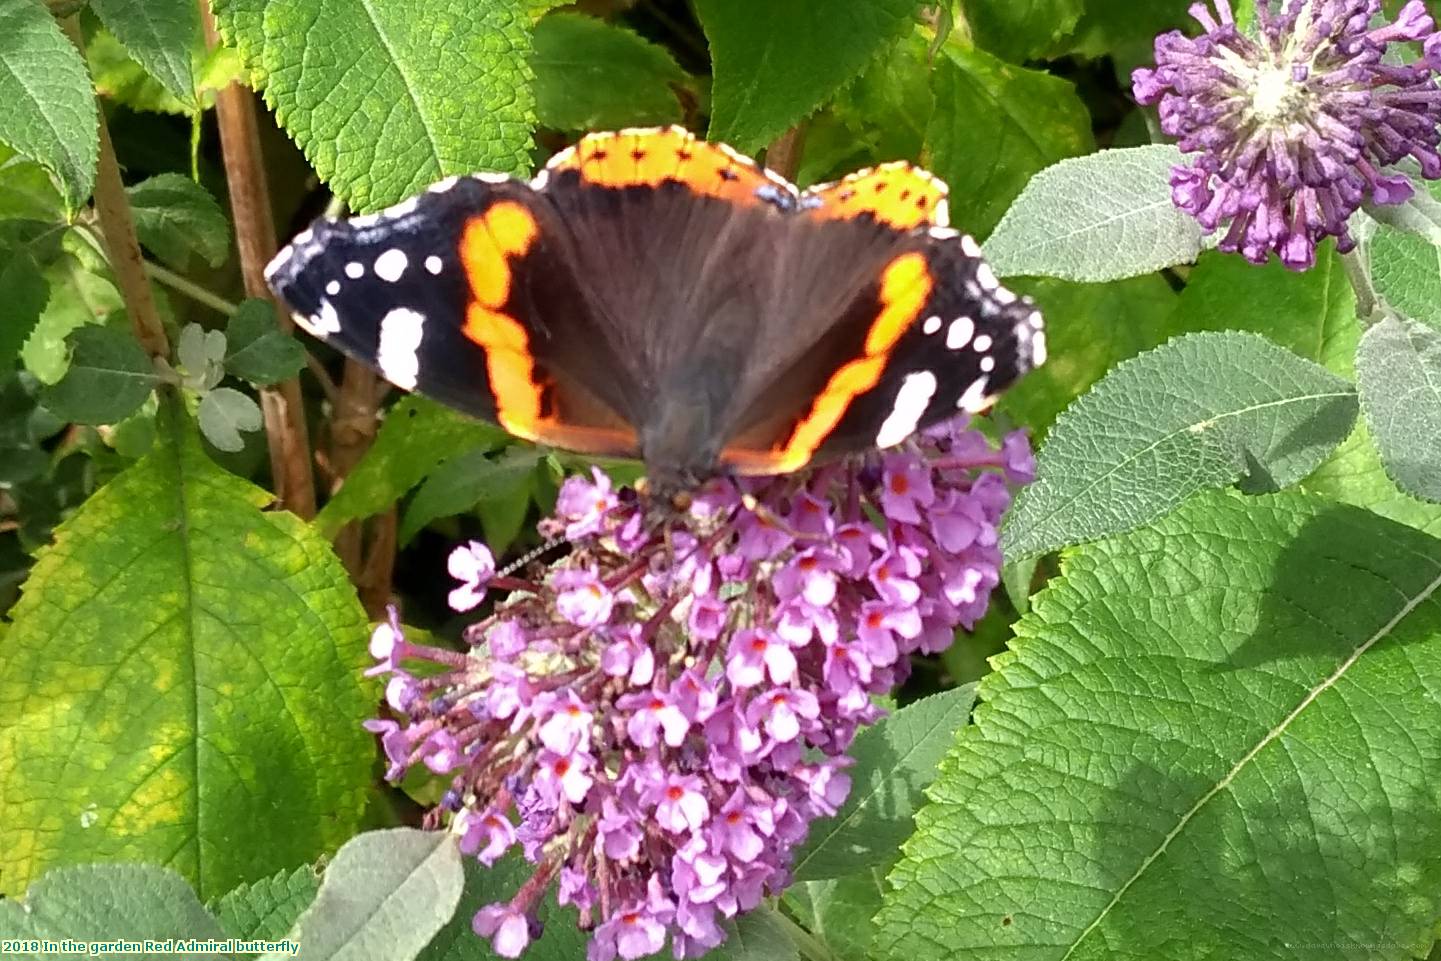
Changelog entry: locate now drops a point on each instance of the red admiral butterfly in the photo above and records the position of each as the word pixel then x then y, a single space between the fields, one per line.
pixel 649 294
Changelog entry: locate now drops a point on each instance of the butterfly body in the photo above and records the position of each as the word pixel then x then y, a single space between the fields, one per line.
pixel 652 295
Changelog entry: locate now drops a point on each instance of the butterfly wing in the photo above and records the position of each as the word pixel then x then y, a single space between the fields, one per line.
pixel 465 295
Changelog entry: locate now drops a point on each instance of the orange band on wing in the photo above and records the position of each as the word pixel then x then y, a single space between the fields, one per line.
pixel 897 193
pixel 905 286
pixel 648 158
pixel 488 245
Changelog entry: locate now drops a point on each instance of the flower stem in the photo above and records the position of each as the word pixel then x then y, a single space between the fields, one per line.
pixel 283 407
pixel 189 288
pixel 1359 274
pixel 117 226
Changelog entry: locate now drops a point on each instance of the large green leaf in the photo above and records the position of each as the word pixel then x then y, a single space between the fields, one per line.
pixel 594 75
pixel 109 378
pixel 776 61
pixel 838 912
pixel 49 113
pixel 1106 216
pixel 176 217
pixel 78 297
pixel 1021 29
pixel 385 98
pixel 1214 738
pixel 181 683
pixel 1398 368
pixel 416 437
pixel 1203 410
pixel 1406 270
pixel 160 35
pixel 994 127
pixel 895 759
pixel 267 908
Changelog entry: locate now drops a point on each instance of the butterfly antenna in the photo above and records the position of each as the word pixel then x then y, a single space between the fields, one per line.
pixel 531 555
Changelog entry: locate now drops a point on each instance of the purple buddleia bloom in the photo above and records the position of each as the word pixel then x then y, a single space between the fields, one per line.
pixel 1294 124
pixel 654 720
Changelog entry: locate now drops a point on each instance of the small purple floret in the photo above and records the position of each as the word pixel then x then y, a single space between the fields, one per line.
pixel 1293 125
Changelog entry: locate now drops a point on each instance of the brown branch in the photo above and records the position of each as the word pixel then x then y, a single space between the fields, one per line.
pixel 784 156
pixel 117 226
pixel 285 427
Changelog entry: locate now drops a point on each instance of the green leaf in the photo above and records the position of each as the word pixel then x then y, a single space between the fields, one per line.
pixel 259 351
pixel 594 75
pixel 1398 368
pixel 107 902
pixel 26 190
pixel 1098 326
pixel 476 477
pixel 776 61
pixel 24 292
pixel 225 414
pixel 415 438
pixel 993 128
pixel 839 912
pixel 1101 217
pixel 160 35
pixel 176 217
pixel 1406 271
pixel 49 113
pixel 1131 27
pixel 758 935
pixel 109 378
pixel 385 98
pixel 384 896
pixel 1021 30
pixel 267 909
pixel 895 759
pixel 1420 216
pixel 1204 410
pixel 119 77
pixel 77 297
pixel 1213 738
pixel 182 683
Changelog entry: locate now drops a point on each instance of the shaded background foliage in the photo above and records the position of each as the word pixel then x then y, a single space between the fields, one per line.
pixel 181 681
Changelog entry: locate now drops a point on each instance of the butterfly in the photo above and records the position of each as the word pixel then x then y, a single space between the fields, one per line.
pixel 652 295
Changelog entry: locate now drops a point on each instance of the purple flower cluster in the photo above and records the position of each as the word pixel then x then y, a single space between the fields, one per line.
pixel 1294 125
pixel 656 719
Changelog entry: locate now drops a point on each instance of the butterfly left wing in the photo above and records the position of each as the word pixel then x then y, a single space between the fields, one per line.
pixel 933 335
pixel 466 294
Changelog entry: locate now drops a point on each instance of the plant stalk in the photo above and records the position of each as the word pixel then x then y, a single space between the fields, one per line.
pixel 255 241
pixel 117 227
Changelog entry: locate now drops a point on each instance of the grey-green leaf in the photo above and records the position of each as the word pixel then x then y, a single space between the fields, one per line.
pixel 385 98
pixel 107 902
pixel 176 217
pixel 109 378
pixel 1217 737
pixel 160 35
pixel 1105 216
pixel 1203 410
pixel 259 351
pixel 226 413
pixel 1398 368
pixel 384 896
pixel 49 103
pixel 895 760
pixel 1406 271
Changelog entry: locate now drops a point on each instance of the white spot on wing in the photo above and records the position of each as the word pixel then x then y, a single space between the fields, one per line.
pixel 366 220
pixel 491 178
pixel 391 264
pixel 982 343
pixel 969 246
pixel 911 402
pixel 404 207
pixel 988 363
pixel 400 333
pixel 1038 348
pixel 932 324
pixel 441 186
pixel 354 270
pixel 332 287
pixel 276 262
pixel 974 399
pixel 942 212
pixel 323 322
pixel 959 333
pixel 987 276
pixel 432 264
pixel 304 237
